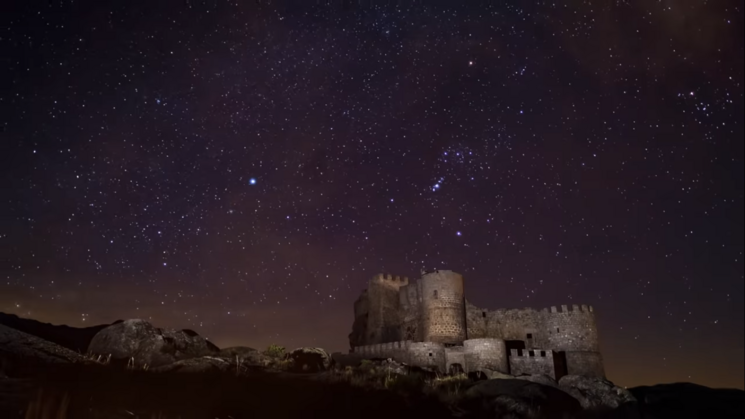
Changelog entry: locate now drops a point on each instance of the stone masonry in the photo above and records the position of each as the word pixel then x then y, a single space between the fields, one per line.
pixel 428 322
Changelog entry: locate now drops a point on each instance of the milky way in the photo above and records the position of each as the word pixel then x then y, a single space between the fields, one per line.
pixel 244 168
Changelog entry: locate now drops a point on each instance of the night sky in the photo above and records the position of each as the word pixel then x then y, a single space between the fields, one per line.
pixel 243 168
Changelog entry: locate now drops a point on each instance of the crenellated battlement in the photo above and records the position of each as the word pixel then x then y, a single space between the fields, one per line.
pixel 382 349
pixel 565 308
pixel 531 353
pixel 388 278
pixel 531 362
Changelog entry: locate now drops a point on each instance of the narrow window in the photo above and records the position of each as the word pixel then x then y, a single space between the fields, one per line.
pixel 530 336
pixel 557 330
pixel 430 354
pixel 435 294
pixel 543 353
pixel 483 314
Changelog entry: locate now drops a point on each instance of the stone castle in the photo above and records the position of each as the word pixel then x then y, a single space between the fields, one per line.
pixel 429 323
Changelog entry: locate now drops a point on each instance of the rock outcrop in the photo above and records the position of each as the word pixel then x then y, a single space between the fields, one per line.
pixel 593 392
pixel 540 379
pixel 485 373
pixel 144 344
pixel 519 399
pixel 309 360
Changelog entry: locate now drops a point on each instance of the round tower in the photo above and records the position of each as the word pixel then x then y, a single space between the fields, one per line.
pixel 444 307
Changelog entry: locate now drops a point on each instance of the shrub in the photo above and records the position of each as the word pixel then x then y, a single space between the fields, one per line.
pixel 404 384
pixel 275 351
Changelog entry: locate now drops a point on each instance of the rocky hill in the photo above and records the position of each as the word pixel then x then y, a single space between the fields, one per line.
pixel 132 369
pixel 73 338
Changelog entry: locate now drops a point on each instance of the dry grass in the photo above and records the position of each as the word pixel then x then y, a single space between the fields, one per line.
pixel 48 404
pixel 448 389
pixel 97 358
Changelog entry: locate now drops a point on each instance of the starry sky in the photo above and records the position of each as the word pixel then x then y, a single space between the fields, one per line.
pixel 243 168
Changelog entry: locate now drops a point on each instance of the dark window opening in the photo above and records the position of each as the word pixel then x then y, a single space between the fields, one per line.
pixel 531 353
pixel 530 336
pixel 430 354
pixel 435 294
pixel 543 353
pixel 557 330
pixel 483 314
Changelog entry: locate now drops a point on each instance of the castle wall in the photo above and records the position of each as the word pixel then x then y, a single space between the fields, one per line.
pixel 410 313
pixel 561 329
pixel 361 305
pixel 476 321
pixel 395 350
pixel 359 333
pixel 443 307
pixel 532 362
pixel 384 323
pixel 428 355
pixel 524 325
pixel 455 356
pixel 585 363
pixel 572 330
pixel 486 353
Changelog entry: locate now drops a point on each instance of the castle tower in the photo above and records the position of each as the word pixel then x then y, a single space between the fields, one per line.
pixel 383 322
pixel 443 307
pixel 572 330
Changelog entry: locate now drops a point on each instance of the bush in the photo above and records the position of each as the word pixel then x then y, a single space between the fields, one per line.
pixel 405 384
pixel 275 351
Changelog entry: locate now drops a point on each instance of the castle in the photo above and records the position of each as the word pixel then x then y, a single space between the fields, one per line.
pixel 429 323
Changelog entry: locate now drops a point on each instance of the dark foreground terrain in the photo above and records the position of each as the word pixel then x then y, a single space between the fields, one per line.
pixel 40 379
pixel 96 393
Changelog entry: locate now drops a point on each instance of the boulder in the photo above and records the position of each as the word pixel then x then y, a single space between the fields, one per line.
pixel 594 392
pixel 309 360
pixel 491 375
pixel 540 379
pixel 346 360
pixel 188 344
pixel 518 399
pixel 145 344
pixel 205 364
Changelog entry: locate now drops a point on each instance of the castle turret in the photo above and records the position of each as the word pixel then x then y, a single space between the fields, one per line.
pixel 443 307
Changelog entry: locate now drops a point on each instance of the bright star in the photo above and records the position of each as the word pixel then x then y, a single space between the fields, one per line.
pixel 252 181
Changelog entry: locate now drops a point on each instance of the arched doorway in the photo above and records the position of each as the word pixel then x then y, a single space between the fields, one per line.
pixel 456 369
